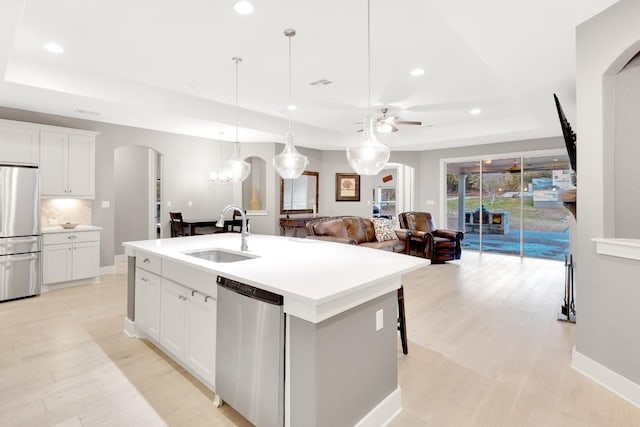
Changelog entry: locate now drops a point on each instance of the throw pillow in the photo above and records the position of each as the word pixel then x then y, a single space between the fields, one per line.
pixel 384 229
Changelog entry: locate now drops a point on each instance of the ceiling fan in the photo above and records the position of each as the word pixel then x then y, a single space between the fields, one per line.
pixel 388 124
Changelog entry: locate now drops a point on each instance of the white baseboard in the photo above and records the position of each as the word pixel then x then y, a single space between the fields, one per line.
pixel 130 328
pixel 612 381
pixel 384 412
pixel 61 285
pixel 108 269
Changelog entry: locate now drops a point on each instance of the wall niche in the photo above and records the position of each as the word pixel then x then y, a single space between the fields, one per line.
pixel 626 156
pixel 253 188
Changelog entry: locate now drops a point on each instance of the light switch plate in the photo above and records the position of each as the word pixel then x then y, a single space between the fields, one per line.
pixel 106 204
pixel 168 203
pixel 379 319
pixel 190 203
pixel 431 202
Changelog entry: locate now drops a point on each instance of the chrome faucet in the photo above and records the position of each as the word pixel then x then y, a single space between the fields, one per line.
pixel 243 230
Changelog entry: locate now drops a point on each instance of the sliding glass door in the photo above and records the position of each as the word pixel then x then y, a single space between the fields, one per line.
pixel 507 205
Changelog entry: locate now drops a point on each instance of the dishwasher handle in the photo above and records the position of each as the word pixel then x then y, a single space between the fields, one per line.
pixel 250 291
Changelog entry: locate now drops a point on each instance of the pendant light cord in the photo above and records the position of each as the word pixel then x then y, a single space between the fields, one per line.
pixel 290 78
pixel 237 60
pixel 369 51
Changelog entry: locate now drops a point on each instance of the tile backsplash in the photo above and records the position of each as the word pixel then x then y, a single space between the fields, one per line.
pixel 58 211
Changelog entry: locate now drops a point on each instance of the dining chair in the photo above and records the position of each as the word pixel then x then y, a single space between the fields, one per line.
pixel 178 228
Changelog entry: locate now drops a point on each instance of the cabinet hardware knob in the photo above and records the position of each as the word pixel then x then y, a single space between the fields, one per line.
pixel 193 293
pixel 144 279
pixel 206 298
pixel 146 261
pixel 73 236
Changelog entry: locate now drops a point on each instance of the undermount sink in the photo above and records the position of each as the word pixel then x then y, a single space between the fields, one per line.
pixel 218 255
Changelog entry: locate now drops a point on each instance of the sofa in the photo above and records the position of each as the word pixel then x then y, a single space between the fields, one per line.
pixel 355 230
pixel 438 245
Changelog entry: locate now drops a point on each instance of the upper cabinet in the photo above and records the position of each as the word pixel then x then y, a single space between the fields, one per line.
pixel 18 145
pixel 67 164
pixel 66 157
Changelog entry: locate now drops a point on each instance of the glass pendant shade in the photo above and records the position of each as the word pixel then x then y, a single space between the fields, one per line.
pixel 235 169
pixel 370 156
pixel 290 164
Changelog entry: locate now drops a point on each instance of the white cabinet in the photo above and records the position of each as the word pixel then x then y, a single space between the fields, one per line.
pixel 68 256
pixel 147 303
pixel 173 317
pixel 19 144
pixel 67 166
pixel 187 328
pixel 201 336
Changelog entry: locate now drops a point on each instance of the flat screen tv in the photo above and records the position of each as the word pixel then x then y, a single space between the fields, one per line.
pixel 568 133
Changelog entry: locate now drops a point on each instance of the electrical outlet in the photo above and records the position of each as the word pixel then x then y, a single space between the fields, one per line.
pixel 379 319
pixel 190 203
pixel 106 204
pixel 431 202
pixel 168 203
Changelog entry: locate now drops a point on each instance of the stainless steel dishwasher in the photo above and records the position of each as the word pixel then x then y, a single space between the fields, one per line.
pixel 250 352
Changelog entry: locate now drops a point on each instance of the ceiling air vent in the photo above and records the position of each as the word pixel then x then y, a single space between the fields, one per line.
pixel 321 82
pixel 88 112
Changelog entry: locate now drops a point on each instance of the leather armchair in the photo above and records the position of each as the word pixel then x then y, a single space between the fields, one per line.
pixel 355 230
pixel 437 245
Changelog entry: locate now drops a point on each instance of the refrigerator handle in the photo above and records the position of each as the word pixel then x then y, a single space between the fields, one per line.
pixel 13 258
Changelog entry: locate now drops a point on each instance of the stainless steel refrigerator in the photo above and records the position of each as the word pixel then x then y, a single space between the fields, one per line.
pixel 20 240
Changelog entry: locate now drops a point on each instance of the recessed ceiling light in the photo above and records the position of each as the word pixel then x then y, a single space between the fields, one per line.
pixel 53 47
pixel 417 72
pixel 291 107
pixel 243 7
pixel 475 111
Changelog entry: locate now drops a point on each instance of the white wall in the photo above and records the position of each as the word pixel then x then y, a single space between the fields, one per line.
pixel 131 195
pixel 608 318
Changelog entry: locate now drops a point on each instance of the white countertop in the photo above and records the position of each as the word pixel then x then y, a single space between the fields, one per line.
pixel 59 229
pixel 317 279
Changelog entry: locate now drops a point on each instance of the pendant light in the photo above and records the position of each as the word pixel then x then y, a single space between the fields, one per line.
pixel 236 169
pixel 217 176
pixel 370 156
pixel 290 164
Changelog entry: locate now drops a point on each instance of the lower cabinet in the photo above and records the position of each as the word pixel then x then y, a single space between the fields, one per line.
pixel 70 256
pixel 147 303
pixel 188 327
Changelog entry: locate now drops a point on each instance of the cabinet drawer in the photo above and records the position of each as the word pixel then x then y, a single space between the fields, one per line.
pixel 152 263
pixel 70 237
pixel 202 281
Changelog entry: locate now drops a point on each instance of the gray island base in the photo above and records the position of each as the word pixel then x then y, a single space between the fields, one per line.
pixel 337 333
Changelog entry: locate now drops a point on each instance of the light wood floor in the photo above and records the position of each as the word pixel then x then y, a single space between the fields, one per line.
pixel 484 350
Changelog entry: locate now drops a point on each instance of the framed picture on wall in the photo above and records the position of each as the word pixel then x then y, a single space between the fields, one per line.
pixel 347 187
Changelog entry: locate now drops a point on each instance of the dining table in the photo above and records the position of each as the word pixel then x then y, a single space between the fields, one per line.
pixel 230 225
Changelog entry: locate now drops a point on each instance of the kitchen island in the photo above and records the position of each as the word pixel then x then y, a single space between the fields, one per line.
pixel 339 303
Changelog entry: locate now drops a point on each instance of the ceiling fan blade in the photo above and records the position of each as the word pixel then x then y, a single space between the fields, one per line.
pixel 407 122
